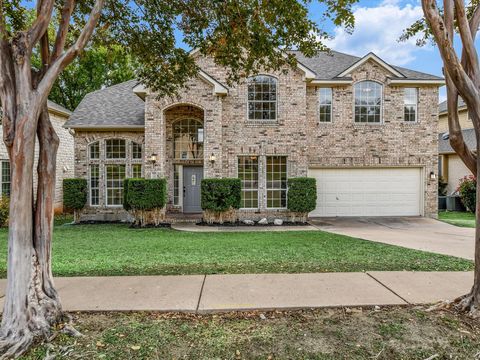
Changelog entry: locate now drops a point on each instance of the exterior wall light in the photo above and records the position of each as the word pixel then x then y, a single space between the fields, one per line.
pixel 153 158
pixel 432 175
pixel 212 158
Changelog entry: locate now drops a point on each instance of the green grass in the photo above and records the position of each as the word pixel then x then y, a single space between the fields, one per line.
pixel 89 250
pixel 327 334
pixel 458 218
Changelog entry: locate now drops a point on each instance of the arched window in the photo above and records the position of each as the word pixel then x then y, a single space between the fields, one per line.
pixel 368 102
pixel 188 139
pixel 94 150
pixel 262 98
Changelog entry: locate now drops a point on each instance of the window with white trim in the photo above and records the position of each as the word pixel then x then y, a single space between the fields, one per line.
pixel 410 101
pixel 368 102
pixel 115 149
pixel 262 98
pixel 137 171
pixel 188 139
pixel 325 102
pixel 6 177
pixel 94 184
pixel 114 176
pixel 276 181
pixel 94 151
pixel 248 174
pixel 136 151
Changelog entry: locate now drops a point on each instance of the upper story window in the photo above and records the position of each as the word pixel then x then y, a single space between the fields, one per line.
pixel 410 100
pixel 188 139
pixel 94 150
pixel 368 102
pixel 115 149
pixel 325 101
pixel 136 150
pixel 262 98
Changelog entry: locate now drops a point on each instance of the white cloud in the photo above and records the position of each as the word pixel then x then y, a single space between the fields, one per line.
pixel 378 29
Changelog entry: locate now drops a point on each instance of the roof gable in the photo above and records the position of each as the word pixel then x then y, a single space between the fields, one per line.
pixel 371 56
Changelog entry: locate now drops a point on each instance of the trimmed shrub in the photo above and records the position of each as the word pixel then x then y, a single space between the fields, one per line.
pixel 467 191
pixel 4 210
pixel 220 199
pixel 146 200
pixel 302 194
pixel 75 193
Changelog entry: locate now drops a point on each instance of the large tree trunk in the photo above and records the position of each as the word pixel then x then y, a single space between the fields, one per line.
pixel 32 305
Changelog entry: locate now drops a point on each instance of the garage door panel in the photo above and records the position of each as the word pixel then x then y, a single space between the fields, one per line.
pixel 368 192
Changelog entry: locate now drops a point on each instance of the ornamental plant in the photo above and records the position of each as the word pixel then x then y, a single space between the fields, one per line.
pixel 302 196
pixel 75 195
pixel 467 190
pixel 146 200
pixel 220 199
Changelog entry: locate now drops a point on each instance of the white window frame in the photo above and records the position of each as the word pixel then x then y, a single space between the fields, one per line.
pixel 90 150
pixel 90 188
pixel 320 104
pixel 2 163
pixel 355 105
pixel 258 180
pixel 107 187
pixel 251 80
pixel 116 158
pixel 410 104
pixel 267 189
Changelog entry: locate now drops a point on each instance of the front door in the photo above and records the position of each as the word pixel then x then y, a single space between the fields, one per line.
pixel 192 178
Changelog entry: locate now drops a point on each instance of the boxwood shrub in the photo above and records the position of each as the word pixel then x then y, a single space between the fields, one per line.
pixel 221 194
pixel 302 194
pixel 144 194
pixel 75 193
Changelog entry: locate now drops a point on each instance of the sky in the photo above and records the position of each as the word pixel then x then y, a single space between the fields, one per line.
pixel 378 26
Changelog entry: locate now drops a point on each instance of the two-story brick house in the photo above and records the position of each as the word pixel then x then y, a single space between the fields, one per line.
pixel 367 130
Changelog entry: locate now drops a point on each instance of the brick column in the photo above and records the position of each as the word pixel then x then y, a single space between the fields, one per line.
pixel 155 138
pixel 213 139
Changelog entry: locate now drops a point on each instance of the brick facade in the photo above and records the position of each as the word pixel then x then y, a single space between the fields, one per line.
pixel 296 133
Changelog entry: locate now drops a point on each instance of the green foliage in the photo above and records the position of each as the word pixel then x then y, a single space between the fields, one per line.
pixel 467 190
pixel 442 186
pixel 245 36
pixel 144 194
pixel 4 210
pixel 302 194
pixel 75 193
pixel 221 194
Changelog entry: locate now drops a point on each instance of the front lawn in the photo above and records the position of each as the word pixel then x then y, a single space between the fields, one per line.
pixel 88 250
pixel 458 218
pixel 328 334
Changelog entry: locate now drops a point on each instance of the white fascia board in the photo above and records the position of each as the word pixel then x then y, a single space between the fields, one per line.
pixel 439 82
pixel 140 90
pixel 371 56
pixel 330 82
pixel 219 89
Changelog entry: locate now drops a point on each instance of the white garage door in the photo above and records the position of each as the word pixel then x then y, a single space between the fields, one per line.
pixel 368 192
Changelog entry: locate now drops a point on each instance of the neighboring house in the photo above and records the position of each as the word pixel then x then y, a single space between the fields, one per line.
pixel 58 115
pixel 366 130
pixel 450 167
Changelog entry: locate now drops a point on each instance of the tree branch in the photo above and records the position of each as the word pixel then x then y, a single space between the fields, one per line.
pixel 63 27
pixel 466 36
pixel 67 57
pixel 459 77
pixel 475 22
pixel 454 129
pixel 40 25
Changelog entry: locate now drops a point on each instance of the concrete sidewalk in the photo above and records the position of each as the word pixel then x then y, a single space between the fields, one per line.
pixel 210 293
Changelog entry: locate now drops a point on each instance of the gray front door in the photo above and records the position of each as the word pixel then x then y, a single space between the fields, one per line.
pixel 192 178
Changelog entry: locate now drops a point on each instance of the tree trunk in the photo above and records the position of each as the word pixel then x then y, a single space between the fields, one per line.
pixel 32 305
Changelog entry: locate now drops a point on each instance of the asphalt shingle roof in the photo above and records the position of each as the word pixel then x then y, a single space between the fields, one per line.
pixel 444 141
pixel 59 108
pixel 115 106
pixel 118 106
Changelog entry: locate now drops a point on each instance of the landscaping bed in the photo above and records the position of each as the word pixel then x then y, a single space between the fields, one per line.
pixel 382 334
pixel 115 249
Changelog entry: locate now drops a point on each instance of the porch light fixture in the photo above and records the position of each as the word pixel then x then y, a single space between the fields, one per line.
pixel 153 158
pixel 432 176
pixel 212 158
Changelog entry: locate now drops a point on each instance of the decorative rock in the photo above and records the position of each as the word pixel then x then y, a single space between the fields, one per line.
pixel 278 222
pixel 263 221
pixel 249 222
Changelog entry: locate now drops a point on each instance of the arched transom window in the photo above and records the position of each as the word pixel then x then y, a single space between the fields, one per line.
pixel 368 102
pixel 188 139
pixel 262 98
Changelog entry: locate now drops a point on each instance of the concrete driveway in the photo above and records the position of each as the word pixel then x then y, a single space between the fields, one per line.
pixel 410 232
